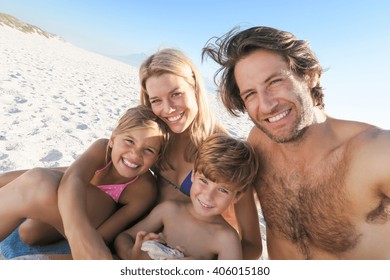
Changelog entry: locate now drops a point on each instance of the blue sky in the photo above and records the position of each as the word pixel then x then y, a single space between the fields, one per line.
pixel 351 38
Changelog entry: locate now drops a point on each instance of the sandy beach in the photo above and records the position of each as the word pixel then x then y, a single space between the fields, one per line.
pixel 56 99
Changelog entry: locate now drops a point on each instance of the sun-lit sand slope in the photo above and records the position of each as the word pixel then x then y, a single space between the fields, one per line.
pixel 56 99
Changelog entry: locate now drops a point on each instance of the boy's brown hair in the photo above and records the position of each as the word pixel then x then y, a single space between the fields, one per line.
pixel 227 160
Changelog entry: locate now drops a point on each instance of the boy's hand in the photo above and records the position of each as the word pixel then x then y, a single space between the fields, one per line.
pixel 136 252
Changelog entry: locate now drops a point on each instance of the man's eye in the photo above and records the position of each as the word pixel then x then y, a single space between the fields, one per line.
pixel 275 82
pixel 248 95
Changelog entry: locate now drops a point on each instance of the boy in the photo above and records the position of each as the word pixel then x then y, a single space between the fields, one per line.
pixel 224 169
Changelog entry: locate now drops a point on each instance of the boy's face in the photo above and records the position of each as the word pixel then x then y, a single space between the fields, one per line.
pixel 210 198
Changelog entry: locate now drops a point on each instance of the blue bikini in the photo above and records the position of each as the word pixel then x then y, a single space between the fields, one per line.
pixel 185 187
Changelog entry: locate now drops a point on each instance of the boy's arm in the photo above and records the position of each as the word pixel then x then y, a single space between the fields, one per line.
pixel 128 248
pixel 229 245
pixel 84 240
pixel 151 224
pixel 248 226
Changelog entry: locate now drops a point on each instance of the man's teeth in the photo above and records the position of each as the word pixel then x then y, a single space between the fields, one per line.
pixel 129 164
pixel 175 118
pixel 278 117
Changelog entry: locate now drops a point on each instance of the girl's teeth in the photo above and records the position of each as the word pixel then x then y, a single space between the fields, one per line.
pixel 129 164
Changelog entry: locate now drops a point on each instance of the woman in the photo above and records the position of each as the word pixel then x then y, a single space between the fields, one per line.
pixel 173 88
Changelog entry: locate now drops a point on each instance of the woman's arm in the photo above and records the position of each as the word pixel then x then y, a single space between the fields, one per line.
pixel 249 226
pixel 84 240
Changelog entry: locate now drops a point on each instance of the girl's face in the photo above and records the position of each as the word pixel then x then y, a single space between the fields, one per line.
pixel 136 150
pixel 173 100
pixel 210 198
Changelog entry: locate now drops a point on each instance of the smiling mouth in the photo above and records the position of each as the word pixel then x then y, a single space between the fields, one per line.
pixel 175 118
pixel 129 164
pixel 204 204
pixel 278 117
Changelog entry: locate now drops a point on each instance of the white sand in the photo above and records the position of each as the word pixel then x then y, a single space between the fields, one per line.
pixel 56 99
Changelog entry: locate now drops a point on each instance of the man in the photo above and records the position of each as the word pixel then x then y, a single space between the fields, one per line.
pixel 325 183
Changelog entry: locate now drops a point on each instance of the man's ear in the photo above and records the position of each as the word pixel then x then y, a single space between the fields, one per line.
pixel 313 81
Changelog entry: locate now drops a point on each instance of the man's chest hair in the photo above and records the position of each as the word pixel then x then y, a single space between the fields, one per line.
pixel 308 203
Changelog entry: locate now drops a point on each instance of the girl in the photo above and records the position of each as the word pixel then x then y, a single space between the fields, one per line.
pixel 120 189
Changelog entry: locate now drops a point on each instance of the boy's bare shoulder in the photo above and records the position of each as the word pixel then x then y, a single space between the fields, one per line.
pixel 170 206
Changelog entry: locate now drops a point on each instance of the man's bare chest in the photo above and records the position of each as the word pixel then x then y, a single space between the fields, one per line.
pixel 308 203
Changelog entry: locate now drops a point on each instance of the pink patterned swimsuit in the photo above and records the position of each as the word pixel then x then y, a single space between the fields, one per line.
pixel 114 190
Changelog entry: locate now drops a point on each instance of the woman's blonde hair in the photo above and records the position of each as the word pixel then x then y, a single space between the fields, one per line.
pixel 175 62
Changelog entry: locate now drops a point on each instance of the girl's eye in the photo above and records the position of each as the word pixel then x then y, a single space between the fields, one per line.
pixel 129 141
pixel 149 151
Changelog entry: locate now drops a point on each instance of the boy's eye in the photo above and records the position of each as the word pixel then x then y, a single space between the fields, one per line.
pixel 203 180
pixel 222 190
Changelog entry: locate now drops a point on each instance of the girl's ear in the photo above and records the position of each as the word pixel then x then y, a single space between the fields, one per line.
pixel 111 142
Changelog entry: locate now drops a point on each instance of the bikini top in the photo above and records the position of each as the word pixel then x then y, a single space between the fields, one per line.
pixel 185 186
pixel 114 190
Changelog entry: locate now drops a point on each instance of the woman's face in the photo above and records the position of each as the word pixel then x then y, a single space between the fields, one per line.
pixel 173 100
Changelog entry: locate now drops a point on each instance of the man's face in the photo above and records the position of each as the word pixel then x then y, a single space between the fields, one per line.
pixel 277 100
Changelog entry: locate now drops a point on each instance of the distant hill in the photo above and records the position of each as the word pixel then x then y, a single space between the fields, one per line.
pixel 15 23
pixel 135 59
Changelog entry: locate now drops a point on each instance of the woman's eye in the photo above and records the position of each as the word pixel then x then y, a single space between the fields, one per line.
pixel 154 101
pixel 175 94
